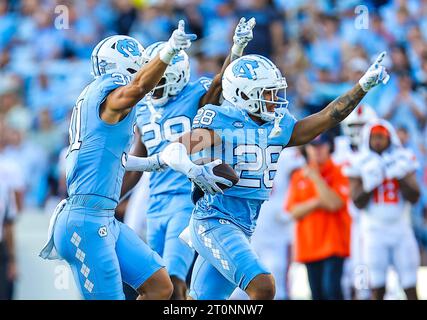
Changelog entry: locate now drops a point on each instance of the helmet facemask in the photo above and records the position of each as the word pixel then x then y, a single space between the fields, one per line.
pixel 170 85
pixel 253 83
pixel 354 132
pixel 255 102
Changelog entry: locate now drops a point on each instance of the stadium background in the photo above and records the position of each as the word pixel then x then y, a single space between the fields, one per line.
pixel 321 47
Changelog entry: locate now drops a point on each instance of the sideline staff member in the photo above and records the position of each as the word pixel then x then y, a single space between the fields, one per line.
pixel 317 199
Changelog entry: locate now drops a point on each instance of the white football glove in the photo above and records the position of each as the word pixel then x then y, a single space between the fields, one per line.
pixel 178 41
pixel 372 172
pixel 242 35
pixel 375 74
pixel 397 164
pixel 203 176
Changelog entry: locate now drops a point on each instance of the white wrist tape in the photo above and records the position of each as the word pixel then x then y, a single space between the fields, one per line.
pixel 237 50
pixel 176 157
pixel 166 54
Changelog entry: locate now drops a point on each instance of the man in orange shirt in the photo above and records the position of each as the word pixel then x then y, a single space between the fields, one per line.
pixel 317 199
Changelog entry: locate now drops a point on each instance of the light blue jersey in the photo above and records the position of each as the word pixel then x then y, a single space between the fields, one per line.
pixel 98 151
pixel 253 155
pixel 176 118
pixel 101 251
pixel 170 205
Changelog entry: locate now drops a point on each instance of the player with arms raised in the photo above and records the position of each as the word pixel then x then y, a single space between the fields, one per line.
pixel 163 118
pixel 248 131
pixel 101 251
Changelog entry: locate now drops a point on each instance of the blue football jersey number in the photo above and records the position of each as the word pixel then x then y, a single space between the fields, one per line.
pixel 204 117
pixel 253 170
pixel 121 79
pixel 173 128
pixel 74 130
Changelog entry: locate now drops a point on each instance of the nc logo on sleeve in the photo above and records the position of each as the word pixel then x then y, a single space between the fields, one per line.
pixel 245 68
pixel 127 47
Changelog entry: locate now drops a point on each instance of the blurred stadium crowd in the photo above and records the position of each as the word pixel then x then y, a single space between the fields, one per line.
pixel 322 47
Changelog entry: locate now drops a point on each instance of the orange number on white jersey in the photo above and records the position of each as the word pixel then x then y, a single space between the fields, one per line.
pixel 388 192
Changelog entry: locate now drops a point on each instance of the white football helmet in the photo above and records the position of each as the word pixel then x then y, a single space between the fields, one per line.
pixel 353 124
pixel 175 77
pixel 121 54
pixel 247 79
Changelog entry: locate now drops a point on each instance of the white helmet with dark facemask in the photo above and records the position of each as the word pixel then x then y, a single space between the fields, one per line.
pixel 175 77
pixel 246 82
pixel 121 54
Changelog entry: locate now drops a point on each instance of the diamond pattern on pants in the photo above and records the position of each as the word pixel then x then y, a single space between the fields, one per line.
pixel 201 230
pixel 88 285
pixel 216 253
pixel 224 264
pixel 80 255
pixel 208 242
pixel 85 270
pixel 75 239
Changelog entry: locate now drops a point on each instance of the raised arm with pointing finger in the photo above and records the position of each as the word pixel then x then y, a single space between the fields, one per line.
pixel 118 102
pixel 270 106
pixel 310 127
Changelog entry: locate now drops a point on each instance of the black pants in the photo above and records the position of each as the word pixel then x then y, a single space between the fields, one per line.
pixel 324 277
pixel 6 286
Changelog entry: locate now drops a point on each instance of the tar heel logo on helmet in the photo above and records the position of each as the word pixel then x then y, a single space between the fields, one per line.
pixel 102 231
pixel 245 68
pixel 128 47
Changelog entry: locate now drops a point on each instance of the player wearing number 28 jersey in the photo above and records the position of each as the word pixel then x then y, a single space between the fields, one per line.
pixel 164 117
pixel 248 131
pixel 101 251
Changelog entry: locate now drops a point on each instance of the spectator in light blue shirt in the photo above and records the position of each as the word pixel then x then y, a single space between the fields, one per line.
pixel 217 31
pixel 325 51
pixel 268 37
pixel 152 24
pixel 48 44
pixel 404 107
pixel 7 25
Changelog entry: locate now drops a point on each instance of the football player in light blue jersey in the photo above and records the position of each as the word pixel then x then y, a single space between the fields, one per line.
pixel 162 118
pixel 247 131
pixel 101 251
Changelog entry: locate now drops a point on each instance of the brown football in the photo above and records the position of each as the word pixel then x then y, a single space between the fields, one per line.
pixel 222 170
